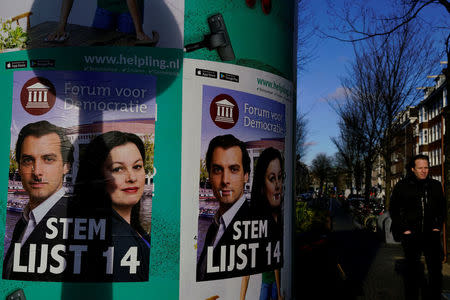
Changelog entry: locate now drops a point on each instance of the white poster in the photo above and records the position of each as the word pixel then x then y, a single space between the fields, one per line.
pixel 236 182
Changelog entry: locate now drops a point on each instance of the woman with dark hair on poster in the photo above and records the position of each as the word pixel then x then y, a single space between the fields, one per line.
pixel 267 197
pixel 110 184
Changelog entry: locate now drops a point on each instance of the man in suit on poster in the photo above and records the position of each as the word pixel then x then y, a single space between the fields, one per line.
pixel 44 155
pixel 228 164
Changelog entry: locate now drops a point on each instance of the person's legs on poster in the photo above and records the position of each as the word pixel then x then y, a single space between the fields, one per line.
pixel 125 23
pixel 268 291
pixel 104 19
pixel 274 291
pixel 265 291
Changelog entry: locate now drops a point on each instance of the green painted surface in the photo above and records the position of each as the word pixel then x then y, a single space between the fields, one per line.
pixel 259 41
pixel 6 84
pixel 164 254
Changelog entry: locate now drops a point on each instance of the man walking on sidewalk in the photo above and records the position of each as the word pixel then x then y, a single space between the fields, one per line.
pixel 418 211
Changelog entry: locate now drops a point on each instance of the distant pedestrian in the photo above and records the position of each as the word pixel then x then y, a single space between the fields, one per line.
pixel 418 211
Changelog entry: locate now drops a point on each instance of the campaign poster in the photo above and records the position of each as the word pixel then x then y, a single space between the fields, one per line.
pixel 236 218
pixel 238 229
pixel 68 23
pixel 81 176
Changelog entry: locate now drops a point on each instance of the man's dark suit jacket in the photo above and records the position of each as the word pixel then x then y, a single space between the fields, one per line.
pixel 61 209
pixel 243 214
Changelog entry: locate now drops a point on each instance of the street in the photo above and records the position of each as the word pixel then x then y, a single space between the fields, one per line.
pixel 350 263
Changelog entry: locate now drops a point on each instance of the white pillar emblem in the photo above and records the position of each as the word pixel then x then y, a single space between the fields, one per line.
pixel 224 111
pixel 37 96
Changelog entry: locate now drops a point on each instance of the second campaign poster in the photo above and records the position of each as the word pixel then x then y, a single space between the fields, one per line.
pixel 238 211
pixel 81 164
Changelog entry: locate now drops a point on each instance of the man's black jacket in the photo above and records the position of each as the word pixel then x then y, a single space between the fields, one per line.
pixel 409 212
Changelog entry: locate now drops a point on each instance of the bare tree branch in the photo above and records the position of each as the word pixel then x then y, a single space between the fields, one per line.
pixel 301 132
pixel 365 23
pixel 380 84
pixel 306 30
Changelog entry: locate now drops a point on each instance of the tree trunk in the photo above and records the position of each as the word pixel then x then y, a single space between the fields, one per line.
pixel 367 179
pixel 321 188
pixel 388 164
pixel 387 189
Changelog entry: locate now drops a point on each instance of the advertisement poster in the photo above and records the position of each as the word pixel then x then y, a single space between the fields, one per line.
pixel 237 128
pixel 81 165
pixel 238 220
pixel 68 23
pixel 98 89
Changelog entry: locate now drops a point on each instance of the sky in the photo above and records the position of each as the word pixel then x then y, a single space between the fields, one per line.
pixel 321 78
pixel 319 82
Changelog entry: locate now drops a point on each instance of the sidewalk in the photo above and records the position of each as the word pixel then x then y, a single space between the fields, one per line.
pixel 384 280
pixel 373 269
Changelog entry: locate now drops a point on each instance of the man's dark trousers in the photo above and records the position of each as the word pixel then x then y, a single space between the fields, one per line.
pixel 430 245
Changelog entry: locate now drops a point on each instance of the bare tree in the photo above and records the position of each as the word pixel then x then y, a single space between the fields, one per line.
pixel 380 84
pixel 320 167
pixel 301 147
pixel 301 132
pixel 305 54
pixel 345 170
pixel 361 21
pixel 360 114
pixel 399 62
pixel 302 177
pixel 351 148
pixel 306 30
